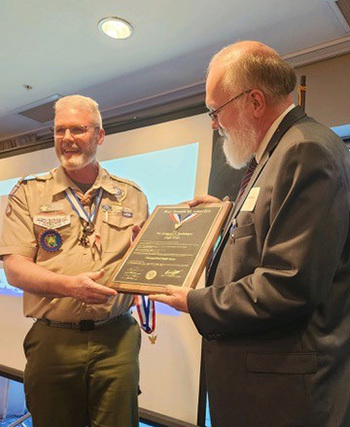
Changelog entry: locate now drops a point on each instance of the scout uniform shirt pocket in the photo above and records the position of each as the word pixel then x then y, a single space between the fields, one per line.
pixel 116 229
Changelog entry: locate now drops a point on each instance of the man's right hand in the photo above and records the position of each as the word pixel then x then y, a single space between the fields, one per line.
pixel 23 271
pixel 84 288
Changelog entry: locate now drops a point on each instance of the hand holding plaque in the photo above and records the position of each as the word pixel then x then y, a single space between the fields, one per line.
pixel 171 248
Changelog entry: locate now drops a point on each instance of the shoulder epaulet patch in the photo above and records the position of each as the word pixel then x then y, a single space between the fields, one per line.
pixel 15 188
pixel 19 182
pixel 45 176
pixel 27 178
pixel 125 181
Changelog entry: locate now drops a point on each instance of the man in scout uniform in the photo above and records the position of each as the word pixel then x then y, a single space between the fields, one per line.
pixel 63 235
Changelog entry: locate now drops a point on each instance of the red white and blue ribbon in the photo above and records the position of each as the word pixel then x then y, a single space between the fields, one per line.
pixel 178 219
pixel 147 313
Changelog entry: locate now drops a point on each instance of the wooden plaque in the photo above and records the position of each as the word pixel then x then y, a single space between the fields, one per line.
pixel 171 249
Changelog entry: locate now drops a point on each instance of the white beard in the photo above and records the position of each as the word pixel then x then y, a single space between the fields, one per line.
pixel 79 159
pixel 239 144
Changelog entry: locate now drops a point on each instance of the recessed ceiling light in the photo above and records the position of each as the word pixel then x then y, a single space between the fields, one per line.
pixel 116 28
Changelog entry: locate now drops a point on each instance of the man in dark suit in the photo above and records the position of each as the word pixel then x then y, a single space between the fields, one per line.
pixel 276 312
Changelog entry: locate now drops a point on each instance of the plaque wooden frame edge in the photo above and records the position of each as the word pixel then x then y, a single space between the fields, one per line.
pixel 198 265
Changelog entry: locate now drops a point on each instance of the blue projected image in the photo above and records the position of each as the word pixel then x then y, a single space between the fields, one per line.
pixel 6 186
pixel 165 176
pixel 5 288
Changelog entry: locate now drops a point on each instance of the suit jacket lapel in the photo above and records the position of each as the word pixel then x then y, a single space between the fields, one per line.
pixel 289 120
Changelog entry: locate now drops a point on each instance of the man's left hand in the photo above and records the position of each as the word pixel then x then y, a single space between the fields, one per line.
pixel 174 296
pixel 135 231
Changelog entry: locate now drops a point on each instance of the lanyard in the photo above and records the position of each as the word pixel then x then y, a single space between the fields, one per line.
pixel 75 202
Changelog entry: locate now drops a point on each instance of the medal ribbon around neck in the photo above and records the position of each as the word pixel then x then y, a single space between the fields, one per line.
pixel 147 314
pixel 79 209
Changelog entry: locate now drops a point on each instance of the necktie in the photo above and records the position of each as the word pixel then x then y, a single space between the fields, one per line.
pixel 214 259
pixel 246 177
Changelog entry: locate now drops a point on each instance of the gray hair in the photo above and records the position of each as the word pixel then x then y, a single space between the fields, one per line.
pixel 83 103
pixel 257 67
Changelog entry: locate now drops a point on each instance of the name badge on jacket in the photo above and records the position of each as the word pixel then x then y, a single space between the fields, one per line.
pixel 250 201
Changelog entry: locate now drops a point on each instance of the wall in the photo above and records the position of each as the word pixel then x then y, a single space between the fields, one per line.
pixel 328 90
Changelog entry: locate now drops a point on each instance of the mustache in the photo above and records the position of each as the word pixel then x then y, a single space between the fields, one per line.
pixel 67 146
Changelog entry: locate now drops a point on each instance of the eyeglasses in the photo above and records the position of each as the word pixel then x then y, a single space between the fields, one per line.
pixel 75 131
pixel 214 114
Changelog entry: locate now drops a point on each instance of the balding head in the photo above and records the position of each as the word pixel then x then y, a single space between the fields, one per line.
pixel 251 64
pixel 248 87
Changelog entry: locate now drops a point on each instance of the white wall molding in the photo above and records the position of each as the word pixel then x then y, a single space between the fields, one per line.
pixel 299 58
pixel 319 52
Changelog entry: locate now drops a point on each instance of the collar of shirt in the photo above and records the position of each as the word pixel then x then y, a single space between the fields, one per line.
pixel 272 129
pixel 62 181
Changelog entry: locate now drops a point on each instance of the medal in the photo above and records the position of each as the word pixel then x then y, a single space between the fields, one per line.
pixel 147 315
pixel 50 240
pixel 178 220
pixel 152 338
pixel 89 234
pixel 88 230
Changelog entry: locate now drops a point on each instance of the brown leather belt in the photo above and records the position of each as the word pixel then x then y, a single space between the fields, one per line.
pixel 83 325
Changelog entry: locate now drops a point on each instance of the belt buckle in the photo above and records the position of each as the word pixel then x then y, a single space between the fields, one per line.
pixel 86 325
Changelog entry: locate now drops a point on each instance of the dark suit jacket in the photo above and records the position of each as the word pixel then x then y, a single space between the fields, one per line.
pixel 277 316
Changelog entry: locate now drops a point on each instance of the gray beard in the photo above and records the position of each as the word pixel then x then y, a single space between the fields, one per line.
pixel 239 145
pixel 78 162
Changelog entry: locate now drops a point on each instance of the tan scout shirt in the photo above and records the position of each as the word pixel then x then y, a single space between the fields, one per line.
pixel 40 204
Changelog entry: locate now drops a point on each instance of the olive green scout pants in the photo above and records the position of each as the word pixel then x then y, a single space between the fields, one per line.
pixel 76 378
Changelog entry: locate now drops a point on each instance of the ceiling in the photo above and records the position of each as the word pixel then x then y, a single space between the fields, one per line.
pixel 56 48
